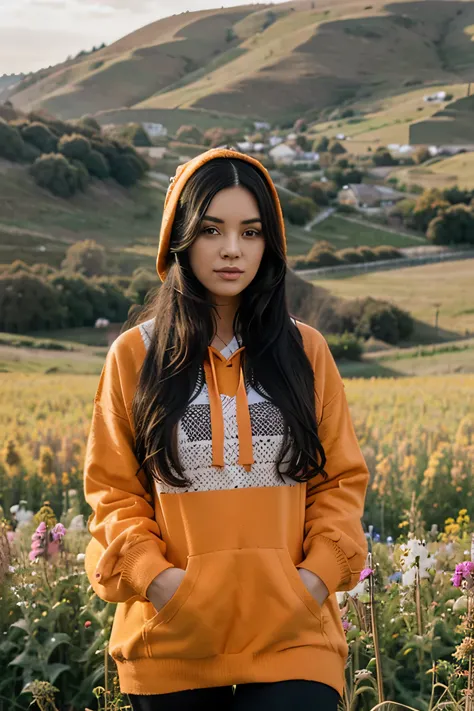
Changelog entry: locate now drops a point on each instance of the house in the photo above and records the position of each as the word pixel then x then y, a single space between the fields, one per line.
pixel 282 153
pixel 306 157
pixel 363 195
pixel 155 129
pixel 275 140
pixel 437 96
pixel 261 126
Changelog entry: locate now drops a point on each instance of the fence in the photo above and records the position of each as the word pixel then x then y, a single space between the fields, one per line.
pixel 386 264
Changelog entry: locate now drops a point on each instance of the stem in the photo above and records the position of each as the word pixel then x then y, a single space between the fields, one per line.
pixel 419 619
pixel 378 658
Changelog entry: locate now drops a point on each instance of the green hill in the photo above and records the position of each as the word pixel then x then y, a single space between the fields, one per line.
pixel 263 62
pixel 452 125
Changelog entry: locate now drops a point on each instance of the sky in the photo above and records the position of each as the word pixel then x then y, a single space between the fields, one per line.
pixel 38 33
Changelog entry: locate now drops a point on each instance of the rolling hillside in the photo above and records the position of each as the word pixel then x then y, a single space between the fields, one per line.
pixel 264 62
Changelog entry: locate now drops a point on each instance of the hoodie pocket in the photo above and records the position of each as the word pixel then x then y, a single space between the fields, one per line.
pixel 249 600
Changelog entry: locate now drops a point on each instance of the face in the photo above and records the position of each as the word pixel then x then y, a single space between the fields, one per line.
pixel 230 235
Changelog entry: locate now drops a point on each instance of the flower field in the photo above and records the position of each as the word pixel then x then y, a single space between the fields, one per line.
pixel 409 622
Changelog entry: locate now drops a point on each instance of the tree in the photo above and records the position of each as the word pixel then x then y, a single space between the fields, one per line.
pixel 189 134
pixel 300 210
pixel 422 154
pixel 54 172
pixel 27 303
pixel 318 194
pixel 11 142
pixel 97 164
pixel 336 148
pixel 455 225
pixel 86 257
pixel 383 157
pixel 74 146
pixel 321 145
pixel 427 207
pixel 40 136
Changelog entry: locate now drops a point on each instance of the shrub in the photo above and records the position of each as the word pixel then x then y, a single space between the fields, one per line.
pixel 320 245
pixel 383 157
pixel 74 146
pixel 324 258
pixel 82 174
pixel 40 136
pixel 30 152
pixel 81 299
pixel 453 226
pixel 27 303
pixel 350 255
pixel 318 194
pixel 86 257
pixel 345 345
pixel 127 169
pixel 300 210
pixel 97 164
pixel 368 254
pixel 336 148
pixel 189 134
pixel 385 251
pixel 11 143
pixel 54 172
pixel 91 122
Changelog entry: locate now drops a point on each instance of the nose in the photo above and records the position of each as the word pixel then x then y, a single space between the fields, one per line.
pixel 231 246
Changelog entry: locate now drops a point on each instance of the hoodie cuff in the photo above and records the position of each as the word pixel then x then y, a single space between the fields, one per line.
pixel 326 560
pixel 141 566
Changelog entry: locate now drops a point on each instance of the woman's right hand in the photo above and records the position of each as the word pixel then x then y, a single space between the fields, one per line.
pixel 164 586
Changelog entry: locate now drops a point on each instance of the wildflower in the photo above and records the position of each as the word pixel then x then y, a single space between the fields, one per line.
pixel 362 674
pixel 366 573
pixel 347 626
pixel 87 623
pixel 464 650
pixel 415 555
pixel 58 532
pixel 463 571
pixel 80 557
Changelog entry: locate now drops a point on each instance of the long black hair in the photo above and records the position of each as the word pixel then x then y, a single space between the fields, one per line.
pixel 185 324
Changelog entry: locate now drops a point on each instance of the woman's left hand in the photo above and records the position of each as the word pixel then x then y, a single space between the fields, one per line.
pixel 314 584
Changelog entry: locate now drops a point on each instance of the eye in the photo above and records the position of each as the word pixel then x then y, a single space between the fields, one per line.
pixel 205 229
pixel 255 232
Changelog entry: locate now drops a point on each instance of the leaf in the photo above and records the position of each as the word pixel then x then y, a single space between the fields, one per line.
pixel 25 660
pixel 54 670
pixel 50 646
pixel 22 624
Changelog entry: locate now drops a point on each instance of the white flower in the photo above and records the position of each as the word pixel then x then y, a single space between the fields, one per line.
pixel 80 557
pixel 413 550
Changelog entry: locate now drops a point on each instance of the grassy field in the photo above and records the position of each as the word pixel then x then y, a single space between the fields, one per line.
pixel 386 120
pixel 342 232
pixel 418 290
pixel 456 170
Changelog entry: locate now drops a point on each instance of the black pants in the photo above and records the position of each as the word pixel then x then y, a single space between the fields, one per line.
pixel 294 694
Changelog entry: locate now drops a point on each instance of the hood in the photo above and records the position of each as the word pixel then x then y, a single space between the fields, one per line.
pixel 177 183
pixel 222 374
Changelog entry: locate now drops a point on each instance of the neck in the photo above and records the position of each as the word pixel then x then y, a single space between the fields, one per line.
pixel 225 313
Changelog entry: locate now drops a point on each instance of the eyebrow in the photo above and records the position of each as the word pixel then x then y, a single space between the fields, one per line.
pixel 244 222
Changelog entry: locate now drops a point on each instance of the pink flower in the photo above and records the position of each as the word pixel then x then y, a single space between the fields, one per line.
pixel 463 571
pixel 87 623
pixel 58 532
pixel 366 573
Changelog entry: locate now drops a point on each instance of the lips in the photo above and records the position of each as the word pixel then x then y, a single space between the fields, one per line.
pixel 229 271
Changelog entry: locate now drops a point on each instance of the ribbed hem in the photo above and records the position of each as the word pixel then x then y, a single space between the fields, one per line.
pixel 142 564
pixel 163 676
pixel 329 562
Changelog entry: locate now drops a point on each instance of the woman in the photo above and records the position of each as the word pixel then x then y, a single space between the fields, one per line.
pixel 226 481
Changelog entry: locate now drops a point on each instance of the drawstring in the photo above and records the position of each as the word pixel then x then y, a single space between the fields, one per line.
pixel 244 425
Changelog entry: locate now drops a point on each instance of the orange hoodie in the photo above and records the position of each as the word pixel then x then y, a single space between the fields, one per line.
pixel 241 613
